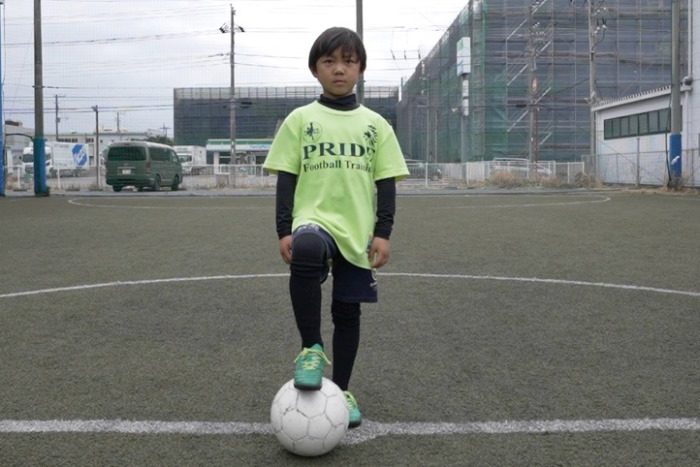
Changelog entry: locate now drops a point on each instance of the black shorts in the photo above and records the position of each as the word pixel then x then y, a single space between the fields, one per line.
pixel 351 284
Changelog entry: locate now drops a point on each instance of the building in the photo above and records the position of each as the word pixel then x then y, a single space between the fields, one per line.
pixel 17 137
pixel 633 131
pixel 509 78
pixel 202 114
pixel 248 151
pixel 513 77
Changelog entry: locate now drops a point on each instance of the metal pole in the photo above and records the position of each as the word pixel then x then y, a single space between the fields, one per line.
pixel 40 188
pixel 97 144
pixel 360 32
pixel 3 164
pixel 462 136
pixel 232 99
pixel 531 90
pixel 638 174
pixel 537 134
pixel 57 119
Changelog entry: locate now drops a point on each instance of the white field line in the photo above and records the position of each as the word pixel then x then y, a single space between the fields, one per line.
pixel 593 199
pixel 597 199
pixel 637 288
pixel 367 431
pixel 83 203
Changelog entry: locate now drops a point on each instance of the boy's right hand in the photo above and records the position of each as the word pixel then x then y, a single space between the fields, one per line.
pixel 286 248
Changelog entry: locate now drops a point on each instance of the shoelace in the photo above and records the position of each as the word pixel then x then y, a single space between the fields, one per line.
pixel 352 402
pixel 311 358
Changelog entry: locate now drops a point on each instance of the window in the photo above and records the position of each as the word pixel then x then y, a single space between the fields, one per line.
pixel 160 154
pixel 607 129
pixel 665 120
pixel 653 122
pixel 634 125
pixel 624 126
pixel 616 128
pixel 645 123
pixel 122 153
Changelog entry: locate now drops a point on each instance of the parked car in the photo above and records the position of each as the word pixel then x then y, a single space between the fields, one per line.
pixel 143 164
pixel 417 169
pixel 519 166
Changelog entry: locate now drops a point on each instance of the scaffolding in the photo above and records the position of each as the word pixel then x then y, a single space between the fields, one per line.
pixel 527 92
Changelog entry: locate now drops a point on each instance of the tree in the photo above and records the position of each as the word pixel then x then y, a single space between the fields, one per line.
pixel 161 140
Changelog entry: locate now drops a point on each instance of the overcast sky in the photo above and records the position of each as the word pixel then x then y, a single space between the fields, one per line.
pixel 127 56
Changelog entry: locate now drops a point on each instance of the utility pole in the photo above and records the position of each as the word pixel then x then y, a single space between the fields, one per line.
pixel 232 98
pixel 2 117
pixel 58 119
pixel 40 188
pixel 360 32
pixel 532 83
pixel 596 26
pixel 675 140
pixel 96 109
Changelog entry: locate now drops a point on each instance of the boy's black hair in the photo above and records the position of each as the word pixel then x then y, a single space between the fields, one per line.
pixel 333 38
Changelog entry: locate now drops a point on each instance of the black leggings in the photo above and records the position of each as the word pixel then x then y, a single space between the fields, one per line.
pixel 309 258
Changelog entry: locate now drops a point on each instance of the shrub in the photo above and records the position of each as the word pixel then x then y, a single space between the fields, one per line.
pixel 506 180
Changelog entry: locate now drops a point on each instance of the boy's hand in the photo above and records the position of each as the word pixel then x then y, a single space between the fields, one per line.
pixel 379 252
pixel 286 248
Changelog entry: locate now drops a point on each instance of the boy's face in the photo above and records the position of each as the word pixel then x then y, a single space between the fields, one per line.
pixel 338 73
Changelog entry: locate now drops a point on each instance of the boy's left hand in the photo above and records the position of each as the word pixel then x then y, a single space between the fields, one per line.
pixel 379 252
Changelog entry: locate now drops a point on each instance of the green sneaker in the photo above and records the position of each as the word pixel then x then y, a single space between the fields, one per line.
pixel 308 374
pixel 355 414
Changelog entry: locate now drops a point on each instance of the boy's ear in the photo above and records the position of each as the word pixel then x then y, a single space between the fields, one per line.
pixel 313 71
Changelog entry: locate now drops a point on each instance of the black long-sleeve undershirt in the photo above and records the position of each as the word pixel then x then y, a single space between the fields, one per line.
pixel 386 205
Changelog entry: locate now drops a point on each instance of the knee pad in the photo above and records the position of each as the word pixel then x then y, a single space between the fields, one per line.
pixel 309 256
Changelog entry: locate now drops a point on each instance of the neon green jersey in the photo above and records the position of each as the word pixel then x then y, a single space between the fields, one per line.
pixel 337 157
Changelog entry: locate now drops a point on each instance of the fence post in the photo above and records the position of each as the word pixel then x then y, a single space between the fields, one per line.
pixel 638 171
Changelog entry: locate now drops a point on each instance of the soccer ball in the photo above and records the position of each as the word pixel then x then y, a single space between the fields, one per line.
pixel 309 423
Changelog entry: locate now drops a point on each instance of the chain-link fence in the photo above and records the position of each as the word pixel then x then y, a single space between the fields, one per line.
pixel 639 169
pixel 646 168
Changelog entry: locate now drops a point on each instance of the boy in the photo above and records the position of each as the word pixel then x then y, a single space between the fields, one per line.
pixel 331 157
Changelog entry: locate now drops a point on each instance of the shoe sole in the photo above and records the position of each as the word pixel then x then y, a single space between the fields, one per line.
pixel 355 425
pixel 304 387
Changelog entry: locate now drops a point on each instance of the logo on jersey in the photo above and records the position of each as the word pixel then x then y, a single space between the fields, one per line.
pixel 370 136
pixel 312 132
pixel 357 154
